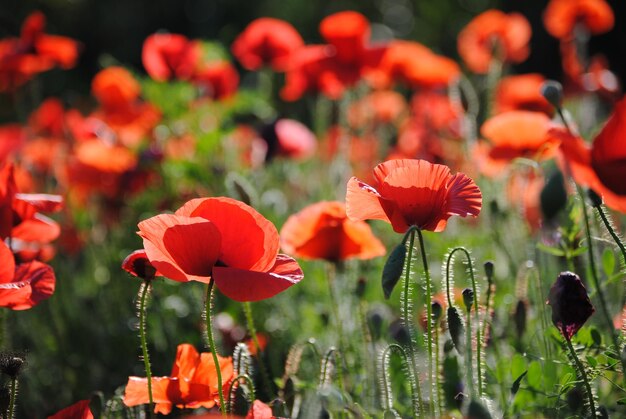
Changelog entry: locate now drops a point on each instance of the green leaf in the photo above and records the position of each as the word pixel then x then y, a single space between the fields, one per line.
pixel 608 261
pixel 553 197
pixel 535 373
pixel 621 402
pixel 555 251
pixel 393 269
pixel 517 382
pixel 592 361
pixel 518 365
pixel 550 376
pixel 595 336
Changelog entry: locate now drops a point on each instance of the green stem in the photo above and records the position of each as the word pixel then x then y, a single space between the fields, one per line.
pixel 231 393
pixel 469 361
pixel 408 322
pixel 583 375
pixel 144 291
pixel 11 412
pixel 369 351
pixel 611 230
pixel 211 343
pixel 429 319
pixel 334 305
pixel 267 383
pixel 437 362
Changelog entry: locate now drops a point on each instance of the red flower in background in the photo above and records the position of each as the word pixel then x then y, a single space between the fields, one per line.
pixel 266 41
pixel 24 285
pixel 166 56
pixel 203 241
pixel 413 193
pixel 33 52
pixel 561 17
pixel 78 410
pixel 323 231
pixel 192 383
pixel 115 87
pixel 506 34
pixel 217 79
pixel 260 410
pixel 289 138
pixel 601 167
pixel 523 93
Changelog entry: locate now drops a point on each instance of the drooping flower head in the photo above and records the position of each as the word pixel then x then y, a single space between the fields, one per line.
pixel 266 41
pixel 224 240
pixel 413 193
pixel 191 384
pixel 570 303
pixel 323 231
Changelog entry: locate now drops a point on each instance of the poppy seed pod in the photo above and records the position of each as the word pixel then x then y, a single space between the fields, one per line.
pixel 570 303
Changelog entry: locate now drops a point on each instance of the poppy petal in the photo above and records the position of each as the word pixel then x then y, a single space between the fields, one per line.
pixel 242 285
pixel 363 202
pixel 181 248
pixel 7 264
pixel 40 201
pixel 33 282
pixel 187 359
pixel 136 392
pixel 464 197
pixel 245 229
pixel 138 264
pixel 260 410
pixel 39 229
pixel 79 410
pixel 206 373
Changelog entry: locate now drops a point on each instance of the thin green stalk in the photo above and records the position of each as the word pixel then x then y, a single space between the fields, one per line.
pixel 334 304
pixel 231 388
pixel 468 356
pixel 144 291
pixel 437 363
pixel 611 230
pixel 11 412
pixel 211 343
pixel 385 381
pixel 369 351
pixel 407 318
pixel 429 319
pixel 583 375
pixel 267 382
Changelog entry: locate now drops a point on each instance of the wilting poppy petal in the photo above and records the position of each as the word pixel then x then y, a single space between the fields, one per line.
pixel 363 202
pixel 7 263
pixel 260 410
pixel 181 248
pixel 249 240
pixel 79 410
pixel 242 285
pixel 138 264
pixel 33 282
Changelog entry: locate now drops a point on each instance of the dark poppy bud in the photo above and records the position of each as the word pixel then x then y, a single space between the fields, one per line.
pixel 456 328
pixel 360 287
pixel 137 264
pixel 570 303
pixel 488 269
pixel 553 92
pixel 278 408
pixel 392 271
pixel 437 310
pixel 594 198
pixel 520 318
pixel 11 364
pixel 468 298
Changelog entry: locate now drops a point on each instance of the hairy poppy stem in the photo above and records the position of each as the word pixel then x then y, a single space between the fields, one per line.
pixel 386 393
pixel 583 375
pixel 144 290
pixel 11 411
pixel 408 322
pixel 611 230
pixel 231 390
pixel 211 342
pixel 267 383
pixel 429 321
pixel 468 354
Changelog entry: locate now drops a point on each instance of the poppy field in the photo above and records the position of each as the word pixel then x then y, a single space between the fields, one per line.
pixel 350 223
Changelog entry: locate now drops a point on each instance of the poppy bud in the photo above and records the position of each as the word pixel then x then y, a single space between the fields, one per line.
pixel 594 198
pixel 392 271
pixel 570 303
pixel 553 92
pixel 436 310
pixel 488 269
pixel 520 318
pixel 456 328
pixel 468 299
pixel 360 287
pixel 11 364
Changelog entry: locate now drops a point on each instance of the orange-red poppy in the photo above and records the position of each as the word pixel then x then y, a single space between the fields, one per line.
pixel 260 410
pixel 378 107
pixel 192 383
pixel 413 193
pixel 138 264
pixel 506 34
pixel 202 241
pixel 166 56
pixel 115 87
pixel 79 410
pixel 24 285
pixel 266 41
pixel 413 64
pixel 217 79
pixel 12 138
pixel 602 166
pixel 561 17
pixel 48 119
pixel 522 92
pixel 289 138
pixel 323 231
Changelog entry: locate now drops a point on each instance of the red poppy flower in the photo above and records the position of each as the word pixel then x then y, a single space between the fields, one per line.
pixel 507 34
pixel 378 107
pixel 323 231
pixel 522 92
pixel 289 138
pixel 217 79
pixel 203 241
pixel 266 41
pixel 12 138
pixel 413 64
pixel 192 383
pixel 48 119
pixel 413 193
pixel 603 166
pixel 260 410
pixel 561 17
pixel 166 56
pixel 78 410
pixel 570 303
pixel 115 87
pixel 24 285
pixel 138 264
